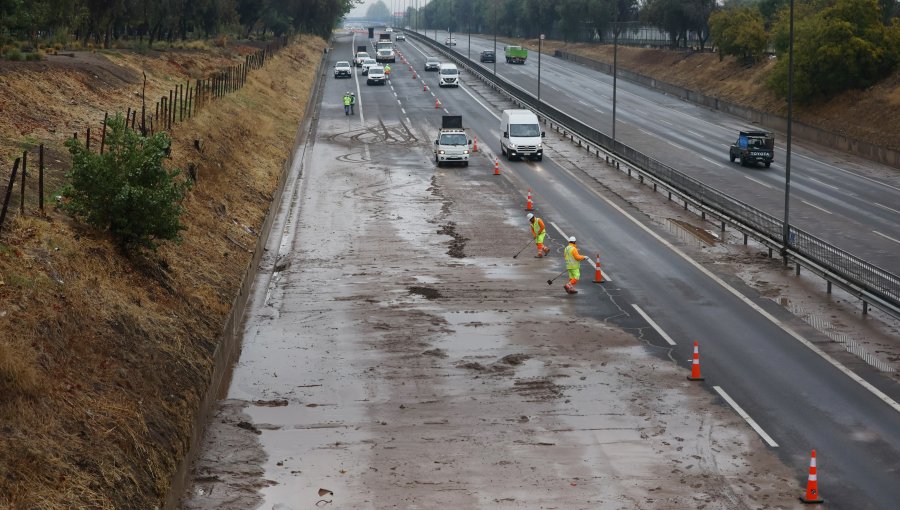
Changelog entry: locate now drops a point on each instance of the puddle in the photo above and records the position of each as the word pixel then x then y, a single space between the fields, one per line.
pixel 691 234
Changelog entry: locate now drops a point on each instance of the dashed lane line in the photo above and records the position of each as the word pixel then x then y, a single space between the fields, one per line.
pixel 743 414
pixel 720 165
pixel 653 325
pixel 816 206
pixel 887 236
pixel 885 207
pixel 757 181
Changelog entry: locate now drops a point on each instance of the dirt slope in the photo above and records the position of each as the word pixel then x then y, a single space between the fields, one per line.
pixel 103 359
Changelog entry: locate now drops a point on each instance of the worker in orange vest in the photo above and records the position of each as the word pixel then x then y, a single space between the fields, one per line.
pixel 573 265
pixel 538 231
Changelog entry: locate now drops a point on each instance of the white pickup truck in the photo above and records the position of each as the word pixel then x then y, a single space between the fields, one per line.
pixel 452 144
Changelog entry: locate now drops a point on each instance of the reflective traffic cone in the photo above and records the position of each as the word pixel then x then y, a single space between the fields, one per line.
pixel 497 167
pixel 414 76
pixel 695 364
pixel 437 103
pixel 529 206
pixel 598 274
pixel 475 145
pixel 812 484
pixel 424 86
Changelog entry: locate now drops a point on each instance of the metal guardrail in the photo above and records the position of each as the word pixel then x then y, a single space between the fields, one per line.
pixel 867 281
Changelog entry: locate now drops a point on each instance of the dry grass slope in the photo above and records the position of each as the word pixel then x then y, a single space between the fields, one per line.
pixel 103 358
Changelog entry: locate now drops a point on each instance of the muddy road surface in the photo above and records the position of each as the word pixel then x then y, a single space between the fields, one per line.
pixel 398 356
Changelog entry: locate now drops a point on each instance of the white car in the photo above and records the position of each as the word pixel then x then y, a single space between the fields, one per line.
pixel 360 55
pixel 450 41
pixel 342 69
pixel 400 37
pixel 375 76
pixel 366 64
pixel 449 75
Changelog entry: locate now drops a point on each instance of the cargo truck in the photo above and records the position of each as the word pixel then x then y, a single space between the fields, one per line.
pixel 516 54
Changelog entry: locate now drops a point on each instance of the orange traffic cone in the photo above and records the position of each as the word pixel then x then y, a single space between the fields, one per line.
pixel 529 206
pixel 437 103
pixel 475 146
pixel 414 76
pixel 424 86
pixel 695 364
pixel 812 484
pixel 598 274
pixel 497 167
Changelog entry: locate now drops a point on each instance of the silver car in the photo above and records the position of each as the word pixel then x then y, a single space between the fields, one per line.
pixel 366 64
pixel 375 76
pixel 432 63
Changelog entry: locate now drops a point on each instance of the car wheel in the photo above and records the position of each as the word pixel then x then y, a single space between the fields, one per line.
pixel 539 158
pixel 743 161
pixel 465 163
pixel 437 162
pixel 731 157
pixel 768 164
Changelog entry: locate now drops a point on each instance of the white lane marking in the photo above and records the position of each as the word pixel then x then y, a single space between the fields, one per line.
pixel 816 207
pixel 824 183
pixel 880 395
pixel 666 122
pixel 743 414
pixel 582 102
pixel 675 145
pixel 486 108
pixel 757 181
pixel 447 111
pixel 720 165
pixel 398 102
pixel 653 325
pixel 408 121
pixel 598 110
pixel 559 230
pixel 648 133
pixel 698 135
pixel 886 236
pixel 403 110
pixel 639 112
pixel 886 207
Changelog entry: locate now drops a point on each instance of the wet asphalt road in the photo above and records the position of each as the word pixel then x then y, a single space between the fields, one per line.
pixel 850 202
pixel 341 284
pixel 801 400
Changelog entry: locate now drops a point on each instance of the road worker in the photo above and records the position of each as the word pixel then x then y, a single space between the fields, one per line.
pixel 352 102
pixel 347 102
pixel 538 232
pixel 387 70
pixel 573 265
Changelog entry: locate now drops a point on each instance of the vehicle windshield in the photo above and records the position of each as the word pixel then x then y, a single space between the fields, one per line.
pixel 376 69
pixel 449 71
pixel 488 53
pixel 431 60
pixel 524 130
pixel 362 54
pixel 342 64
pixel 453 139
pixel 369 61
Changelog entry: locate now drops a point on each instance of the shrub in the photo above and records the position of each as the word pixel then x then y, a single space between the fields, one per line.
pixel 14 54
pixel 36 56
pixel 126 191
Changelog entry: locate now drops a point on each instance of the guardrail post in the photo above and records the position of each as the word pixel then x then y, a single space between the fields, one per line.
pixel 797 268
pixel 865 307
pixel 745 239
pixel 828 287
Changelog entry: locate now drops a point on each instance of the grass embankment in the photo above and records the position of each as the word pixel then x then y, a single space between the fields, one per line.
pixel 103 358
pixel 871 115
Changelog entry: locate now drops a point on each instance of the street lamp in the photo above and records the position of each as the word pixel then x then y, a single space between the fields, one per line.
pixel 540 41
pixel 495 38
pixel 786 229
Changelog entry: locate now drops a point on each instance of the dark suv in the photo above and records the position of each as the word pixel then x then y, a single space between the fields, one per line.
pixel 488 56
pixel 432 64
pixel 753 147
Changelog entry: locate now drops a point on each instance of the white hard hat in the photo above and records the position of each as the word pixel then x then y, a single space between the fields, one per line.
pixel 572 239
pixel 529 216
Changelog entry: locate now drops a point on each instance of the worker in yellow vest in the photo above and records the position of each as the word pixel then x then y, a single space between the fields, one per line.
pixel 347 102
pixel 538 231
pixel 573 265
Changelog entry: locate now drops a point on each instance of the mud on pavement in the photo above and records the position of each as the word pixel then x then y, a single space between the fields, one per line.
pixel 416 364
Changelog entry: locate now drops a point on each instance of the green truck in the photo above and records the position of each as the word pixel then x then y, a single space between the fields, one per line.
pixel 516 54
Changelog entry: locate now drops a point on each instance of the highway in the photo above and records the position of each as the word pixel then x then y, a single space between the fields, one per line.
pixel 795 395
pixel 343 376
pixel 848 201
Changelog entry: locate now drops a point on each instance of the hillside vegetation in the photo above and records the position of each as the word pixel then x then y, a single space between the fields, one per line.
pixel 104 356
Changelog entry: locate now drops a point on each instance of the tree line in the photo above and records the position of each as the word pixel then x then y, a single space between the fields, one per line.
pixel 103 21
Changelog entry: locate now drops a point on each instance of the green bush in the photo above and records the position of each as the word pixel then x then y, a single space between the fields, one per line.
pixel 126 191
pixel 14 54
pixel 34 56
pixel 739 32
pixel 838 48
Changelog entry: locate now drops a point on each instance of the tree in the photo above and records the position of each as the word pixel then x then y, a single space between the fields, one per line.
pixel 126 191
pixel 841 47
pixel 378 11
pixel 739 32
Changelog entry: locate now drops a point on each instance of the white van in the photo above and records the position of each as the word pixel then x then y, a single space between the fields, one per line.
pixel 521 135
pixel 448 75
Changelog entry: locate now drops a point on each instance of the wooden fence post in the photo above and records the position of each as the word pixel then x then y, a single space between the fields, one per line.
pixel 171 105
pixel 87 140
pixel 102 133
pixel 9 188
pixel 22 188
pixel 41 177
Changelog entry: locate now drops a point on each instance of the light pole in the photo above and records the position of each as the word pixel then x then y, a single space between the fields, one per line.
pixel 540 41
pixel 616 30
pixel 786 229
pixel 469 29
pixel 495 38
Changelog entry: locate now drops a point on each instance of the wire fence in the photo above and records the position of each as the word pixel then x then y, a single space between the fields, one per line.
pixel 182 102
